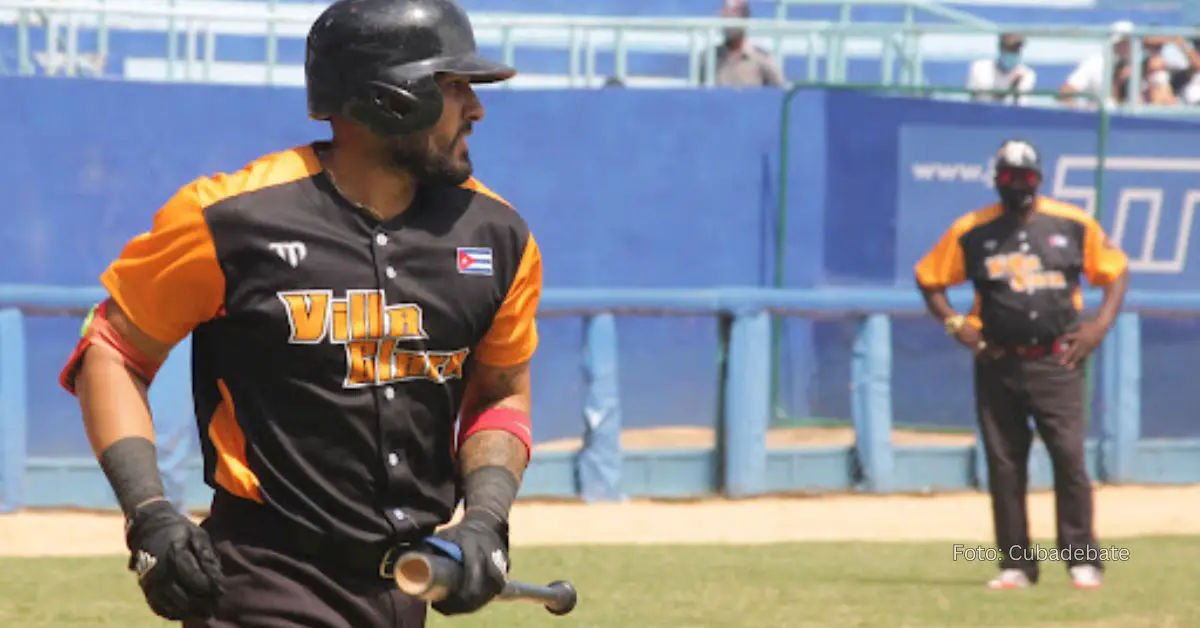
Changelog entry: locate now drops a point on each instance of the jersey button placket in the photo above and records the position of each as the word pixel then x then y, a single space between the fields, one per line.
pixel 379 253
pixel 387 408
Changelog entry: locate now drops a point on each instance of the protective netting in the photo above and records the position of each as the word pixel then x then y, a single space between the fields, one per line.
pixel 54 427
pixel 668 372
pixel 932 380
pixel 669 375
pixel 814 371
pixel 668 369
pixel 1170 392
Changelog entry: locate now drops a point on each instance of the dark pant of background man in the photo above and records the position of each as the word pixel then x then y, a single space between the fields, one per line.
pixel 1008 390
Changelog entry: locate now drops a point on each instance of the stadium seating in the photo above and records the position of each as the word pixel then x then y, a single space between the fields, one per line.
pixel 237 51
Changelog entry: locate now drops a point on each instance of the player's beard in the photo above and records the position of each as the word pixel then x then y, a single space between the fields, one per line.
pixel 429 163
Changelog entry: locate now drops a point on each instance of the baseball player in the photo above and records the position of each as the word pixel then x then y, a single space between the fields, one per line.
pixel 348 301
pixel 1025 255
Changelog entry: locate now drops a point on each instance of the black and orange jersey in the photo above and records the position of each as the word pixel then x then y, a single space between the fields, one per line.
pixel 1026 275
pixel 330 349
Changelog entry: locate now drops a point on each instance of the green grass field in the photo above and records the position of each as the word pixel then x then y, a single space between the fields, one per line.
pixel 806 584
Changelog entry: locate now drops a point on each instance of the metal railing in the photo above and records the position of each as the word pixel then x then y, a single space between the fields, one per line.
pixel 911 9
pixel 197 24
pixel 897 47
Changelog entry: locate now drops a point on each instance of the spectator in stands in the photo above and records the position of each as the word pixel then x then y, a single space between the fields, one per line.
pixel 1088 77
pixel 1183 61
pixel 1005 73
pixel 740 63
pixel 1156 82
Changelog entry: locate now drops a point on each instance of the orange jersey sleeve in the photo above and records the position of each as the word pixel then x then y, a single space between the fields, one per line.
pixel 1103 261
pixel 168 280
pixel 513 337
pixel 944 265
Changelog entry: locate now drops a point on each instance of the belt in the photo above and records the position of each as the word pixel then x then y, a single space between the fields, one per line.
pixel 242 520
pixel 377 558
pixel 1032 352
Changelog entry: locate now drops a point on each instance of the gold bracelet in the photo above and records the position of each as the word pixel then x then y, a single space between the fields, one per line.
pixel 954 323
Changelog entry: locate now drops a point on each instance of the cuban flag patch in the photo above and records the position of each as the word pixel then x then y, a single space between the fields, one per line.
pixel 474 260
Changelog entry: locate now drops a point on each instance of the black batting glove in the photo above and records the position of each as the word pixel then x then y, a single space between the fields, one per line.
pixel 483 542
pixel 175 563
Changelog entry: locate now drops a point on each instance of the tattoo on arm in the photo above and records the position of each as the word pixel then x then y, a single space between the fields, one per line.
pixel 493 387
pixel 493 448
pixel 500 387
pixel 492 462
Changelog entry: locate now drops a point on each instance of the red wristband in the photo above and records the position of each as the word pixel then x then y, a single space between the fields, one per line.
pixel 514 422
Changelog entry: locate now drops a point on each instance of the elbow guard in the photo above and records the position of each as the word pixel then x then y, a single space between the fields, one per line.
pixel 97 330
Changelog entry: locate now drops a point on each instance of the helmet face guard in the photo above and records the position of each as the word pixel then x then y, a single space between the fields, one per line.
pixel 376 62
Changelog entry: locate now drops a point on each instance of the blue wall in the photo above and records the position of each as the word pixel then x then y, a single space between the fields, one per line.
pixel 624 188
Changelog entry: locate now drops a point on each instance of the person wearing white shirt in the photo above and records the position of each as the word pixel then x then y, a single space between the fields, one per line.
pixel 1182 57
pixel 1088 77
pixel 1004 78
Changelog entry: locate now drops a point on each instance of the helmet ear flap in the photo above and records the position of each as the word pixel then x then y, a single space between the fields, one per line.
pixel 393 111
pixel 396 98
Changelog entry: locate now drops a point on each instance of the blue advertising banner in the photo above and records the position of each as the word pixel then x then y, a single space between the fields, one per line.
pixel 1148 200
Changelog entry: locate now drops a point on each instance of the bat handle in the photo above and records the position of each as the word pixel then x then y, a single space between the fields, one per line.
pixel 431 577
pixel 425 576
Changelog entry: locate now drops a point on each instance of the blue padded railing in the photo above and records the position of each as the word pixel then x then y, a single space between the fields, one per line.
pixel 747 466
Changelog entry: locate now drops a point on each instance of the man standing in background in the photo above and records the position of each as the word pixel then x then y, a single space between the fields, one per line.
pixel 1025 255
pixel 740 63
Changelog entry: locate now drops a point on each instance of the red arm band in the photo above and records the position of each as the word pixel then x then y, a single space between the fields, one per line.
pixel 98 331
pixel 514 422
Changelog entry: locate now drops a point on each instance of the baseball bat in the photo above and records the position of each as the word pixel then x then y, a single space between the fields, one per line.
pixel 430 577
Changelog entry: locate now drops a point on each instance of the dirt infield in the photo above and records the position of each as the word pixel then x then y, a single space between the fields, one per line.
pixel 1121 511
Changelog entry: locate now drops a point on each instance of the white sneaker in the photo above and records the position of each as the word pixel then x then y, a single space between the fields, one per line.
pixel 1085 577
pixel 1009 579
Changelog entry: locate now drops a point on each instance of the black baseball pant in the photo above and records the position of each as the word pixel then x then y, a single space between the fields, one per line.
pixel 1008 390
pixel 273 583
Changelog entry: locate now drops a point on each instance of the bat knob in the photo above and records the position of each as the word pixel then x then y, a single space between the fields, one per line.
pixel 567 602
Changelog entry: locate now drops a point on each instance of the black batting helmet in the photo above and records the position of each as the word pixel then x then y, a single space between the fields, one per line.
pixel 374 61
